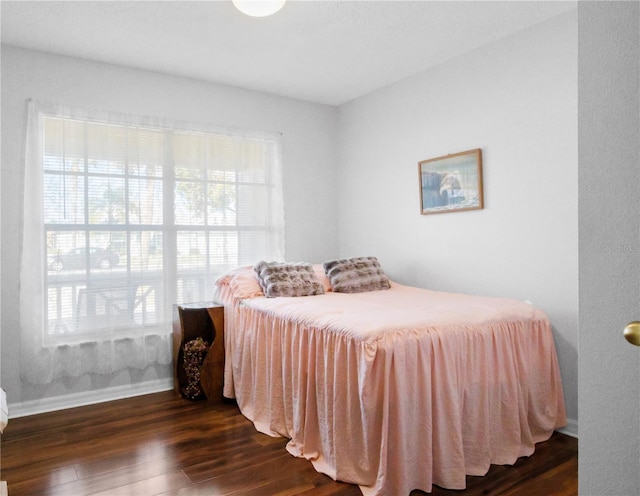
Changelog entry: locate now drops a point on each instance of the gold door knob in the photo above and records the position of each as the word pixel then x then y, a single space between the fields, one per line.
pixel 632 332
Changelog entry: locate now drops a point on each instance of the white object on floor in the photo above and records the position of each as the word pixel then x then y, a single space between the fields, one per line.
pixel 4 411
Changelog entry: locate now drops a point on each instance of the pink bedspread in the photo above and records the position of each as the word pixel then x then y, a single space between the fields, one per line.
pixel 395 390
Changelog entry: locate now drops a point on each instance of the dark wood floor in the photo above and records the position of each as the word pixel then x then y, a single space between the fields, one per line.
pixel 160 444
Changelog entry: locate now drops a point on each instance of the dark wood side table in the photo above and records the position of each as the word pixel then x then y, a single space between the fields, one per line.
pixel 205 320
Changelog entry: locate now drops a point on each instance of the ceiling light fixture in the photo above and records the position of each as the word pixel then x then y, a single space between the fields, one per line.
pixel 259 8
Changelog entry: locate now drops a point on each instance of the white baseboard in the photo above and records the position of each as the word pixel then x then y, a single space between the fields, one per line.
pixel 571 428
pixel 34 407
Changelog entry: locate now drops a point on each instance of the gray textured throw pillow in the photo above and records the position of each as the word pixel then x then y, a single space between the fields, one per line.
pixel 288 279
pixel 356 275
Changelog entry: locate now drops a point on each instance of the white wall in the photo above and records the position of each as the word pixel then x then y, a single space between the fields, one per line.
pixel 516 99
pixel 351 174
pixel 308 136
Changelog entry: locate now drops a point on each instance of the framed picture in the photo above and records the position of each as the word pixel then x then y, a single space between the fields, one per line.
pixel 452 183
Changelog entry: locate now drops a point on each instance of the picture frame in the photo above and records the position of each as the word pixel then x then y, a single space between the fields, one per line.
pixel 452 183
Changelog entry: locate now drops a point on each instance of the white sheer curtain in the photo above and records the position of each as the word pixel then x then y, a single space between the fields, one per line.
pixel 175 204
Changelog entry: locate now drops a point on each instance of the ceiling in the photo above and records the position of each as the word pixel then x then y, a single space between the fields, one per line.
pixel 327 52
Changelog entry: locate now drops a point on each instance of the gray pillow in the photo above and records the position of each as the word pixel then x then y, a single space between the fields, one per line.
pixel 356 275
pixel 288 279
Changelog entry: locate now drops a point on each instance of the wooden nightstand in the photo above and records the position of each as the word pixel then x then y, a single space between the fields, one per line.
pixel 205 320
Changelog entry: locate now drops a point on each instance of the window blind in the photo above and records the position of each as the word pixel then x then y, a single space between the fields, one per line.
pixel 137 218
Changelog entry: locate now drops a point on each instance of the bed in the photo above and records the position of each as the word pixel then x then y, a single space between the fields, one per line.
pixel 394 388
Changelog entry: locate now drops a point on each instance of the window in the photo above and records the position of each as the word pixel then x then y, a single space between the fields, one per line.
pixel 137 218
